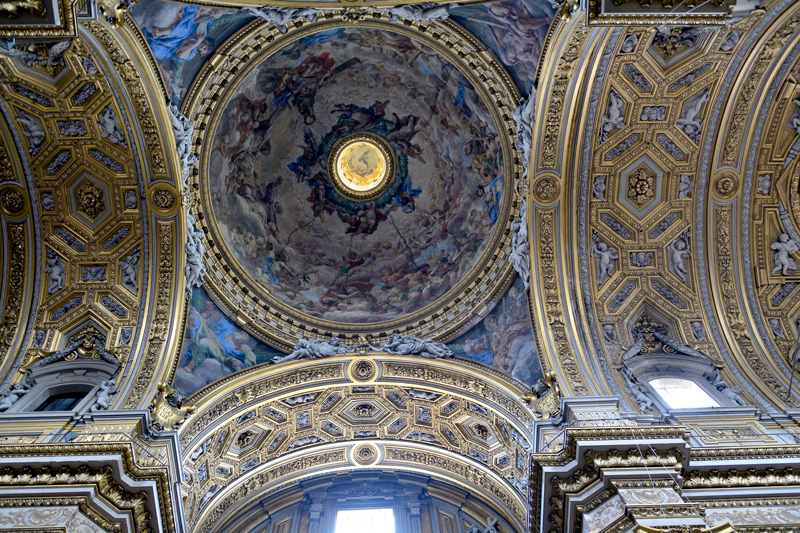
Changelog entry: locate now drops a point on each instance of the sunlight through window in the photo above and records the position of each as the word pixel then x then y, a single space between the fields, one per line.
pixel 365 521
pixel 682 393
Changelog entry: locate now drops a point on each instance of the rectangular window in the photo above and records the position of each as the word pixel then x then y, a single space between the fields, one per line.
pixel 365 521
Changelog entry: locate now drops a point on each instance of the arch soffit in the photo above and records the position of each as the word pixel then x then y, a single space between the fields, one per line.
pixel 573 336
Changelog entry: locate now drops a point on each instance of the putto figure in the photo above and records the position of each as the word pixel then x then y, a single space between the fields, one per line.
pixel 784 247
pixel 427 12
pixel 315 349
pixel 413 345
pixel 107 388
pixel 604 255
pixel 15 392
pixel 281 17
pixel 57 270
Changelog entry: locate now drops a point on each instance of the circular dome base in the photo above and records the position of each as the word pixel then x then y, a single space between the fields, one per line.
pixel 354 189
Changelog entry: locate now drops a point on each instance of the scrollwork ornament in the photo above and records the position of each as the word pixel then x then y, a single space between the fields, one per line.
pixel 169 409
pixel 164 199
pixel 353 14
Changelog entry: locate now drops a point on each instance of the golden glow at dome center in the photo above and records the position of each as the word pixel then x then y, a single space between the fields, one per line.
pixel 361 166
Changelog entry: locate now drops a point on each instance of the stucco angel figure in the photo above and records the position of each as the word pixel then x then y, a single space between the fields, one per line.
pixel 109 128
pixel 685 187
pixel 413 345
pixel 315 349
pixel 795 122
pixel 130 270
pixel 784 247
pixel 107 388
pixel 604 255
pixel 33 130
pixel 15 392
pixel 55 55
pixel 426 12
pixel 280 17
pixel 520 247
pixel 57 270
pixel 688 121
pixel 678 253
pixel 644 401
pixel 732 393
pixel 614 117
pixel 195 249
pixel 523 115
pixel 183 130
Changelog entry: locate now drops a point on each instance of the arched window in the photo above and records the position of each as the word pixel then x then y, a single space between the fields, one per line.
pixel 682 393
pixel 671 375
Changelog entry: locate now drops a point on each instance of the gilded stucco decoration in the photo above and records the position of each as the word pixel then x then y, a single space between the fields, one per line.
pixel 49 19
pixel 80 148
pixel 446 418
pixel 643 182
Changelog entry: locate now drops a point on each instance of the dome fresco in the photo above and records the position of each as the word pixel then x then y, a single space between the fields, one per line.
pixel 284 220
pixel 183 37
pixel 327 255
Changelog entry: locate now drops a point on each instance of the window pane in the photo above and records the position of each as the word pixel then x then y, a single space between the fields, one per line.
pixel 61 402
pixel 682 393
pixel 365 521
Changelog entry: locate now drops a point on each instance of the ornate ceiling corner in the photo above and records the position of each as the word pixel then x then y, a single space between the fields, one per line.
pixel 650 104
pixel 37 19
pixel 750 222
pixel 93 153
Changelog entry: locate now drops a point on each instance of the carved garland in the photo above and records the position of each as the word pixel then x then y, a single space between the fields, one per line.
pixel 554 311
pixel 10 321
pixel 159 326
pixel 557 104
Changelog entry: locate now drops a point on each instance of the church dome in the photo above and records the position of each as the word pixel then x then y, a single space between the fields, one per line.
pixel 360 179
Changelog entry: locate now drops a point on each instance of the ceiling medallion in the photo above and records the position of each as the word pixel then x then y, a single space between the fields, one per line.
pixel 12 202
pixel 546 189
pixel 365 455
pixel 337 203
pixel 361 166
pixel 363 371
pixel 726 185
